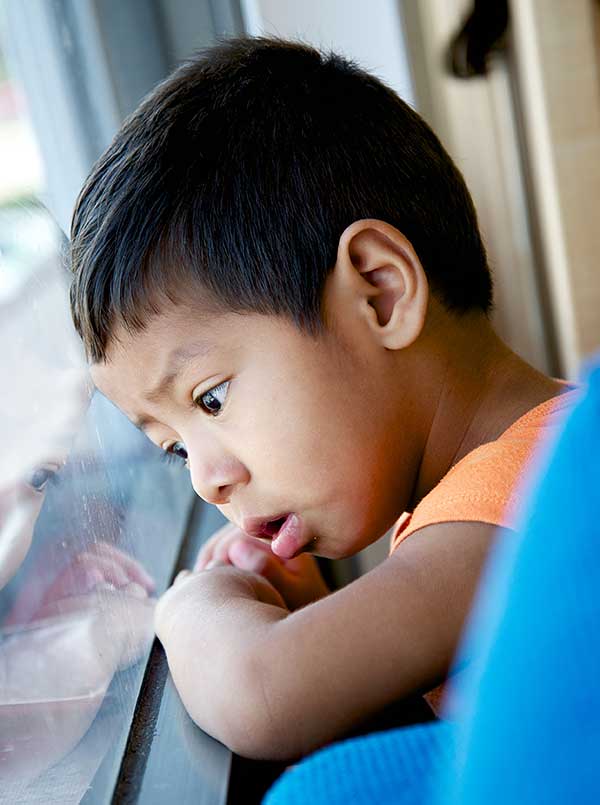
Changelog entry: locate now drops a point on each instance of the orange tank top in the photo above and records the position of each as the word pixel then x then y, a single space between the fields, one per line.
pixel 486 485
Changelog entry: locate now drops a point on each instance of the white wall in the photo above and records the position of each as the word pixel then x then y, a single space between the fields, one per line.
pixel 368 32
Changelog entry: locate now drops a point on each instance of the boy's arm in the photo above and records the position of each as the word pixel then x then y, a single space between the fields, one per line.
pixel 275 684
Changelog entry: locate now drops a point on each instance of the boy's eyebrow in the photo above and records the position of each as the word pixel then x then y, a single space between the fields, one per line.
pixel 178 358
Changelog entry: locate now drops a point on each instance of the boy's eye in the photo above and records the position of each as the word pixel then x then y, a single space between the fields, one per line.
pixel 40 477
pixel 212 400
pixel 177 449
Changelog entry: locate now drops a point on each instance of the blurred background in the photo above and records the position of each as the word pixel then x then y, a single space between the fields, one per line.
pixel 513 91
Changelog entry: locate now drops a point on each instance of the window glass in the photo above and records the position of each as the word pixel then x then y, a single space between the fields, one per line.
pixel 91 519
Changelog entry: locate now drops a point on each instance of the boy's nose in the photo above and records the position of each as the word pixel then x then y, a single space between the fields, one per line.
pixel 215 480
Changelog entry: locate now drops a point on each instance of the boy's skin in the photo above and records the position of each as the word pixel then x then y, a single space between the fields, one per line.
pixel 347 430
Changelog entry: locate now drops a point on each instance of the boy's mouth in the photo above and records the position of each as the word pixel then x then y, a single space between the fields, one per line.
pixel 287 533
pixel 260 527
pixel 271 528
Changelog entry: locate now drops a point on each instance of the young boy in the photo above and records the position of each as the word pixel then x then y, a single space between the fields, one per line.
pixel 279 277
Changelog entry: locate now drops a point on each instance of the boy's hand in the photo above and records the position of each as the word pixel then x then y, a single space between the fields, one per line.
pixel 298 580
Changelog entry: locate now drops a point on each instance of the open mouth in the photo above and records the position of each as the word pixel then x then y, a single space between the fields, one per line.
pixel 267 529
pixel 271 528
pixel 288 533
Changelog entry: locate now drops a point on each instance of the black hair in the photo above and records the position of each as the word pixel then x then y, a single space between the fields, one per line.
pixel 238 174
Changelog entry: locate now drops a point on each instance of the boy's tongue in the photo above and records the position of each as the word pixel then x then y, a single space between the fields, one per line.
pixel 290 539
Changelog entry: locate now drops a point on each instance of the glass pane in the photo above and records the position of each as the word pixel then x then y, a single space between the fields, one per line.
pixel 91 520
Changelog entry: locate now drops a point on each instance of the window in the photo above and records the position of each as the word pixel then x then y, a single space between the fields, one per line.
pixel 93 525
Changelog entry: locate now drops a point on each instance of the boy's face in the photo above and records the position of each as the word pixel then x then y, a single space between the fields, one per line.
pixel 294 425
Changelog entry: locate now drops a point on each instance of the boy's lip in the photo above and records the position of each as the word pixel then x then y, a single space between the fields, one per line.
pixel 263 527
pixel 288 533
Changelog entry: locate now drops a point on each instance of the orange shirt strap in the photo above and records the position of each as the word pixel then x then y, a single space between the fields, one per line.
pixel 487 485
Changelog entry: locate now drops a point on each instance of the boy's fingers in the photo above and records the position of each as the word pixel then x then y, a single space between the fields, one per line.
pixel 258 559
pixel 221 552
pixel 251 544
pixel 217 548
pixel 202 560
pixel 216 563
pixel 207 551
pixel 216 556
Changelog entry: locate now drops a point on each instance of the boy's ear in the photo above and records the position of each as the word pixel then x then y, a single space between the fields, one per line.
pixel 378 269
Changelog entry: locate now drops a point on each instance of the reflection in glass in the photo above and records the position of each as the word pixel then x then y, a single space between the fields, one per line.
pixel 77 580
pixel 90 519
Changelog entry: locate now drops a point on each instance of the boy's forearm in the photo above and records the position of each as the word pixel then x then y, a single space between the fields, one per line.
pixel 253 675
pixel 275 684
pixel 248 671
pixel 213 626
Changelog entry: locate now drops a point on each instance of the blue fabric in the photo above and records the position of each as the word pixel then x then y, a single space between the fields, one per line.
pixel 529 699
pixel 384 768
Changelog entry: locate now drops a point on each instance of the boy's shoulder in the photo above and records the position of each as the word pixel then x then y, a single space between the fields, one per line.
pixel 489 484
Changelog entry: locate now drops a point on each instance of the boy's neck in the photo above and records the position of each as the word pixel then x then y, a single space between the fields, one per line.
pixel 482 388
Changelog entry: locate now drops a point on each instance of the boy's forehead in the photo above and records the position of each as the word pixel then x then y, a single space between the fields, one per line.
pixel 139 364
pixel 140 360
